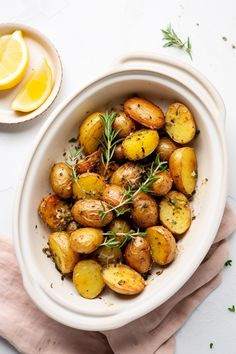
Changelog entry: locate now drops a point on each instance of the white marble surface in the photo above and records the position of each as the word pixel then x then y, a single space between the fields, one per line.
pixel 89 36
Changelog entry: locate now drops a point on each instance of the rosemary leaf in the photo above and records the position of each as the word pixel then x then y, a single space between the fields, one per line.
pixel 172 40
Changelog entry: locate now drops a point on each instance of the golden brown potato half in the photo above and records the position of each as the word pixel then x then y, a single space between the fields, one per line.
pixel 54 212
pixel 124 124
pixel 140 144
pixel 61 180
pixel 144 210
pixel 183 169
pixel 86 239
pixel 162 243
pixel 180 124
pixel 88 185
pixel 92 213
pixel 105 255
pixel 90 133
pixel 87 278
pixel 71 227
pixel 118 226
pixel 163 183
pixel 119 153
pixel 88 163
pixel 165 148
pixel 175 213
pixel 137 255
pixel 122 279
pixel 127 175
pixel 144 112
pixel 63 255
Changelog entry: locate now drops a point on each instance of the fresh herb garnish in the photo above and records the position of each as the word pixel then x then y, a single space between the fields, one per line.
pixel 231 309
pixel 111 241
pixel 228 263
pixel 75 154
pixel 174 41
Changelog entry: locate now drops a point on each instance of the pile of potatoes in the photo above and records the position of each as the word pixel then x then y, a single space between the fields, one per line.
pixel 73 212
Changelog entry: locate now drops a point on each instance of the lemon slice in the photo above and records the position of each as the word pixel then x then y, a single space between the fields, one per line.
pixel 13 59
pixel 36 89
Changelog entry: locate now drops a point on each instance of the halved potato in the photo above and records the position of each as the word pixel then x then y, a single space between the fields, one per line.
pixel 63 255
pixel 90 133
pixel 87 278
pixel 86 239
pixel 106 255
pixel 61 180
pixel 183 169
pixel 165 148
pixel 88 163
pixel 175 212
pixel 127 175
pixel 122 279
pixel 88 185
pixel 137 254
pixel 162 243
pixel 144 210
pixel 163 183
pixel 144 112
pixel 140 144
pixel 180 124
pixel 92 213
pixel 124 124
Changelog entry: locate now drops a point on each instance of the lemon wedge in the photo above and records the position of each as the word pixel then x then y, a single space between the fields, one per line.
pixel 36 89
pixel 13 59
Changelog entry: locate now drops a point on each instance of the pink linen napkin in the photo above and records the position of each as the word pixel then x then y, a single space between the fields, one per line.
pixel 30 331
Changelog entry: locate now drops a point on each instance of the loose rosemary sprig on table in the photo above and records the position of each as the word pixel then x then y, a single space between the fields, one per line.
pixel 74 154
pixel 111 241
pixel 174 41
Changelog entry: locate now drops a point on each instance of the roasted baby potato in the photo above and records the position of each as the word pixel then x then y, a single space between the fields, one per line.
pixel 71 227
pixel 88 163
pixel 175 213
pixel 137 255
pixel 144 112
pixel 165 148
pixel 119 226
pixel 86 239
pixel 163 245
pixel 55 212
pixel 140 144
pixel 127 175
pixel 63 255
pixel 122 279
pixel 180 125
pixel 163 183
pixel 113 195
pixel 90 133
pixel 183 169
pixel 124 124
pixel 92 213
pixel 61 180
pixel 87 278
pixel 119 153
pixel 144 210
pixel 105 255
pixel 88 185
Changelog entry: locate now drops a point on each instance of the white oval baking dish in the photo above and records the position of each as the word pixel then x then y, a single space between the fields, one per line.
pixel 162 79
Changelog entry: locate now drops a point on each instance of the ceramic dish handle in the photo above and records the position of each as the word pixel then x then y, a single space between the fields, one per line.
pixel 181 71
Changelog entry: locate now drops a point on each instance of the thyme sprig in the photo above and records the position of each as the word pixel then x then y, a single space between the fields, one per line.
pixel 173 40
pixel 111 241
pixel 75 154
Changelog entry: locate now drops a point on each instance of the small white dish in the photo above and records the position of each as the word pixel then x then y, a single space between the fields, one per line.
pixel 39 46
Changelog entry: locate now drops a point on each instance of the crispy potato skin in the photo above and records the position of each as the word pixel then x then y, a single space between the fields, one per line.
pixel 88 185
pixel 137 255
pixel 107 173
pixel 63 255
pixel 87 278
pixel 165 148
pixel 113 195
pixel 105 255
pixel 60 180
pixel 54 212
pixel 87 213
pixel 119 225
pixel 88 163
pixel 140 144
pixel 127 175
pixel 162 243
pixel 124 124
pixel 183 168
pixel 122 279
pixel 119 153
pixel 90 133
pixel 163 183
pixel 86 239
pixel 144 112
pixel 144 210
pixel 180 125
pixel 175 213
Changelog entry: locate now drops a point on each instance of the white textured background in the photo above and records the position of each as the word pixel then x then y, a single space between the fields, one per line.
pixel 89 35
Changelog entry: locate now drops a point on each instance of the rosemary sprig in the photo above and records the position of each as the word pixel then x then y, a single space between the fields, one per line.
pixel 111 241
pixel 174 41
pixel 74 154
pixel 109 141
